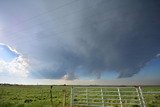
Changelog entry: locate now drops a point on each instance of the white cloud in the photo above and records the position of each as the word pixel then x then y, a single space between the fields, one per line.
pixel 11 49
pixel 16 67
pixel 70 76
pixel 158 55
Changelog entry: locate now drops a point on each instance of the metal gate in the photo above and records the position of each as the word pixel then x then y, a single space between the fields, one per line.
pixel 108 96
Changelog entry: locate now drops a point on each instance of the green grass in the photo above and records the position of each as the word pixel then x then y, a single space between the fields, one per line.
pixel 32 96
pixel 40 96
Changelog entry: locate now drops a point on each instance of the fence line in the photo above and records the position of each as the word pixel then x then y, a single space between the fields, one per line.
pixel 108 96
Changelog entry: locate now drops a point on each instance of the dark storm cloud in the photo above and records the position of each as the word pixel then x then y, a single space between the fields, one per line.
pixel 125 35
pixel 113 36
pixel 94 36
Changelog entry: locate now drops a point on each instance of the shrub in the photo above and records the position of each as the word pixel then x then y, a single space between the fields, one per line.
pixel 28 101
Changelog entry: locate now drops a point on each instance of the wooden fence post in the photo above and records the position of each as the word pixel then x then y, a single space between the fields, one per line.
pixel 51 96
pixel 64 97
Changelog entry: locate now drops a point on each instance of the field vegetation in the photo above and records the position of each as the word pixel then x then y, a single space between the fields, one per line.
pixel 51 96
pixel 33 96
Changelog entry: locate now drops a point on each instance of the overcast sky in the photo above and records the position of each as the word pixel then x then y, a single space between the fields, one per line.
pixel 49 41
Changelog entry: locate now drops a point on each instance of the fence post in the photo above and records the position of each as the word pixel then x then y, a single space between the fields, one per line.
pixel 139 97
pixel 72 97
pixel 64 97
pixel 102 98
pixel 119 94
pixel 87 96
pixel 51 96
pixel 142 98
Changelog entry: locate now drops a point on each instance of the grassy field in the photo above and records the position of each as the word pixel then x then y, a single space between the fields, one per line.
pixel 33 96
pixel 44 96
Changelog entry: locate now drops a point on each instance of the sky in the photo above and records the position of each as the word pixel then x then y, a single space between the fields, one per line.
pixel 80 42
